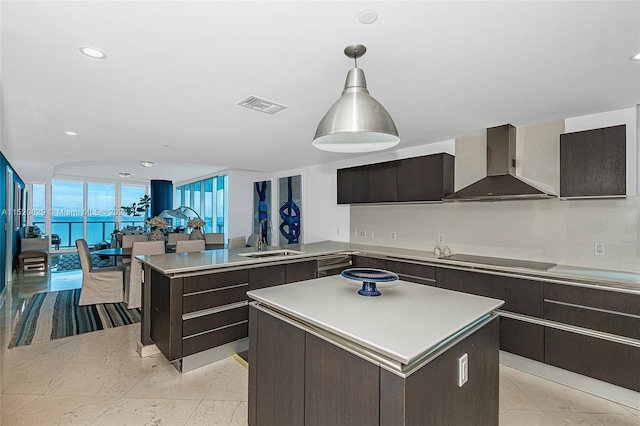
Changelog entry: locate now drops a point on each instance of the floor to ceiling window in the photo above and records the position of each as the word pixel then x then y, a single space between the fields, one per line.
pixel 208 198
pixel 67 211
pixel 101 212
pixel 132 194
pixel 88 210
pixel 39 206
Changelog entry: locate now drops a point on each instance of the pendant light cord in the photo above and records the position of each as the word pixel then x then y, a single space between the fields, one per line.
pixel 355 57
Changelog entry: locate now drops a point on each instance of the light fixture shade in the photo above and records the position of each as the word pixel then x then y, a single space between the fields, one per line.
pixel 356 122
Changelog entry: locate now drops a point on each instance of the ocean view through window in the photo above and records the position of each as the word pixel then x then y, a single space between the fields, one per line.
pixel 89 210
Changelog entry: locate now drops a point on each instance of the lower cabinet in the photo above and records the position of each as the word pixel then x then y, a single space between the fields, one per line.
pixel 522 338
pixel 601 359
pixel 407 271
pixel 297 378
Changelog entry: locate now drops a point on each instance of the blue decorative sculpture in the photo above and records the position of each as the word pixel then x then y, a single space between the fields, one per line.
pixel 261 190
pixel 290 215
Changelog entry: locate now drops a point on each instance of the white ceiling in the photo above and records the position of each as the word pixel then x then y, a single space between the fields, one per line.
pixel 176 70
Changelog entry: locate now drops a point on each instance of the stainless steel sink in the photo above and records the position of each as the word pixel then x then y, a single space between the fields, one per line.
pixel 270 253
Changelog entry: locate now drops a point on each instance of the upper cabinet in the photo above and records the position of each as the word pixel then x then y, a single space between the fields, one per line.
pixel 426 178
pixel 593 163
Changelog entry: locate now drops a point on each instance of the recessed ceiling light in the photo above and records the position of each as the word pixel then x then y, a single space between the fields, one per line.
pixel 368 17
pixel 92 52
pixel 70 133
pixel 635 57
pixel 147 163
pixel 124 175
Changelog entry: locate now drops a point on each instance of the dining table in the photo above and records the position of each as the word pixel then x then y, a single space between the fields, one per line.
pixel 116 252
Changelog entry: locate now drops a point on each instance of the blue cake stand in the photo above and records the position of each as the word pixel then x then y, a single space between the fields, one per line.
pixel 370 278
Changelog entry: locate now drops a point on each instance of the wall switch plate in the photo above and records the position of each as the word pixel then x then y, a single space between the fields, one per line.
pixel 441 238
pixel 600 249
pixel 463 370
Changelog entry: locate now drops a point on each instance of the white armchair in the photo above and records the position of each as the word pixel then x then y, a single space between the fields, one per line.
pixel 99 285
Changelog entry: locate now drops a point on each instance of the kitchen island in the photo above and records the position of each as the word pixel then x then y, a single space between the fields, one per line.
pixel 417 355
pixel 194 307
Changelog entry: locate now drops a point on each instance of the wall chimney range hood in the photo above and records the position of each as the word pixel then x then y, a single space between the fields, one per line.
pixel 501 182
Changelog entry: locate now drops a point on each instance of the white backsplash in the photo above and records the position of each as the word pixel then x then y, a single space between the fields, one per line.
pixel 558 231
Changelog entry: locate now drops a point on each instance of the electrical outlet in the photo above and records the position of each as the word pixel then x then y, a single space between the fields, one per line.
pixel 362 233
pixel 600 249
pixel 463 370
pixel 393 236
pixel 441 238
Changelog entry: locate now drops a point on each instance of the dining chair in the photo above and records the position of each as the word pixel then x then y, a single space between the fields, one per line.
pixel 253 239
pixel 237 242
pixel 99 285
pixel 185 246
pixel 214 238
pixel 133 285
pixel 128 240
pixel 174 237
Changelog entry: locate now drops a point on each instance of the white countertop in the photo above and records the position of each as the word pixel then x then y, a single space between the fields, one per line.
pixel 184 263
pixel 402 324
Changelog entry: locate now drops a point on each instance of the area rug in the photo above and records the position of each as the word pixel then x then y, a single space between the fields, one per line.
pixel 54 315
pixel 69 262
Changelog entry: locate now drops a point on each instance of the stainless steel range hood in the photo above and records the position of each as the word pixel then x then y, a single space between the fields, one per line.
pixel 501 182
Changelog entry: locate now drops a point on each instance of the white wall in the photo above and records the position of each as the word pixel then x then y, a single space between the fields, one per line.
pixel 324 219
pixel 558 231
pixel 240 208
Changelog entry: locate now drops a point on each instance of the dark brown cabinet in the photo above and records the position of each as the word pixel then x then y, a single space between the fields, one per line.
pixel 353 185
pixel 407 271
pixel 368 262
pixel 602 359
pixel 426 178
pixel 382 183
pixel 593 162
pixel 520 295
pixel 297 378
pixel 606 314
pixel 602 310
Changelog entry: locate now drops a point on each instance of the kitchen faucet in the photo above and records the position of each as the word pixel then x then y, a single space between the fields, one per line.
pixel 260 242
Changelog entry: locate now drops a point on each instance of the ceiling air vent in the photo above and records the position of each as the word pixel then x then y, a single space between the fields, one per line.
pixel 262 105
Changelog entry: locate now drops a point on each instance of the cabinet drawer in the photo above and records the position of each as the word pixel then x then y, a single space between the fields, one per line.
pixel 520 295
pixel 368 262
pixel 197 325
pixel 211 299
pixel 609 322
pixel 267 276
pixel 301 271
pixel 601 359
pixel 413 272
pixel 601 299
pixel 202 342
pixel 212 281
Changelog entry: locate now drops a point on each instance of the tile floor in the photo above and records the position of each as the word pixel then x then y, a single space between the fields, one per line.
pixel 98 379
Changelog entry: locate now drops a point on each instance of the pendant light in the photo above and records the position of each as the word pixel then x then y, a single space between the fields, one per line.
pixel 356 122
